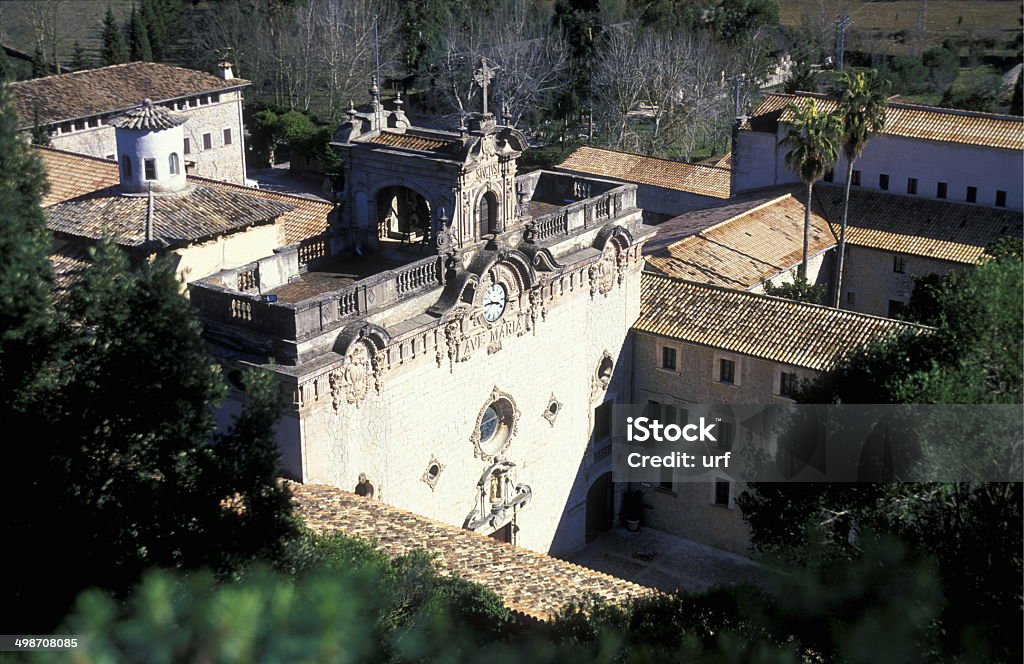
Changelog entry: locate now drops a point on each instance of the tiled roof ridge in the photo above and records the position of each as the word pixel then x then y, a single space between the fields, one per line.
pixel 724 222
pixel 241 81
pixel 72 153
pixel 644 156
pixel 198 179
pixel 910 106
pixel 792 303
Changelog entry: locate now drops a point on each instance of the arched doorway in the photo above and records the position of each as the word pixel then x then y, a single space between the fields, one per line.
pixel 402 214
pixel 488 213
pixel 600 506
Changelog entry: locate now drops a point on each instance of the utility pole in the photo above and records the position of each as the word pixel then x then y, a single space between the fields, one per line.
pixel 841 25
pixel 737 84
pixel 922 21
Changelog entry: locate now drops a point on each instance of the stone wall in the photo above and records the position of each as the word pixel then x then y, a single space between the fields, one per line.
pixel 759 161
pixel 869 275
pixel 688 509
pixel 427 411
pixel 221 162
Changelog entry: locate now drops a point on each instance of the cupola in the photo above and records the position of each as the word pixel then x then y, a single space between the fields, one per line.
pixel 150 144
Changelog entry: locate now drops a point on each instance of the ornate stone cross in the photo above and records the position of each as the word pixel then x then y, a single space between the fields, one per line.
pixel 482 77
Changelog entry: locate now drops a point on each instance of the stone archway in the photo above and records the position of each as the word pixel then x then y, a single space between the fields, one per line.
pixel 600 506
pixel 403 214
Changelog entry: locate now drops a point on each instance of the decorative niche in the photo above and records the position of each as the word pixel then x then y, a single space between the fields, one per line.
pixel 552 410
pixel 433 472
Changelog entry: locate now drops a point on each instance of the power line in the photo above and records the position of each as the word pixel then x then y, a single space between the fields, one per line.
pixel 841 25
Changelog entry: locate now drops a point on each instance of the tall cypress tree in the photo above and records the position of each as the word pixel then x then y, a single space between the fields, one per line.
pixel 138 39
pixel 114 51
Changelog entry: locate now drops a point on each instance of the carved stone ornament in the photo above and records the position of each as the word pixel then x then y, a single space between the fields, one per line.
pixel 603 273
pixel 498 498
pixel 496 425
pixel 433 472
pixel 453 336
pixel 552 410
pixel 602 376
pixel 351 381
pixel 538 307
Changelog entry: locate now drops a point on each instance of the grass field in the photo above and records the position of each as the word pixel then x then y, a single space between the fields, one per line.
pixel 80 20
pixel 880 20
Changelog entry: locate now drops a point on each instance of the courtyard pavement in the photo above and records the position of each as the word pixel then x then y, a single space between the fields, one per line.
pixel 659 560
pixel 279 179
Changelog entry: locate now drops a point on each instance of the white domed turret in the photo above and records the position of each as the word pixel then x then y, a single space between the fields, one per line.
pixel 150 145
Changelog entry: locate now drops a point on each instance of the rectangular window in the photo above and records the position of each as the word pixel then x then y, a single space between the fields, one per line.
pixel 722 492
pixel 150 166
pixel 668 359
pixel 883 181
pixel 227 137
pixel 895 308
pixel 855 180
pixel 912 186
pixel 787 384
pixel 940 190
pixel 603 421
pixel 726 371
pixel 188 146
pixel 725 435
pixel 972 194
pixel 1000 198
pixel 207 141
pixel 851 298
pixel 898 264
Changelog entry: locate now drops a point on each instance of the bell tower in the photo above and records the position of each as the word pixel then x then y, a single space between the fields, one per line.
pixel 150 143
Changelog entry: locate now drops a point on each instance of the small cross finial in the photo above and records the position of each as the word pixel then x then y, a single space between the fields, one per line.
pixel 483 77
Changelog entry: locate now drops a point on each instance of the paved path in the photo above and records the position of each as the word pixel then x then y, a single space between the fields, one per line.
pixel 279 179
pixel 659 560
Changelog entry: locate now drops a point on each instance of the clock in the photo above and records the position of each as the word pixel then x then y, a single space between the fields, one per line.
pixel 495 299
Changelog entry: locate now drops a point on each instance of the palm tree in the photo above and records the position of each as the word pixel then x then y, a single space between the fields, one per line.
pixel 861 99
pixel 813 139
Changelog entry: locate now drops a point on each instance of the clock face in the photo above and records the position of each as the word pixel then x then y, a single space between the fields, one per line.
pixel 495 299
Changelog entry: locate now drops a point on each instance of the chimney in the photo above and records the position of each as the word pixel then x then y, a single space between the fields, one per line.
pixel 224 70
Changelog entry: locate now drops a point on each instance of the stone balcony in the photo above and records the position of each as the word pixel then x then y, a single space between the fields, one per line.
pixel 285 306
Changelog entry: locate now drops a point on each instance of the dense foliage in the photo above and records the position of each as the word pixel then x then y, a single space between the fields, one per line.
pixel 111 391
pixel 973 530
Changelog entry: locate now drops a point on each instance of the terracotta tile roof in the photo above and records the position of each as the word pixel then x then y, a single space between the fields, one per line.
pixel 411 142
pixel 956 232
pixel 108 89
pixel 912 121
pixel 308 216
pixel 68 263
pixel 148 117
pixel 739 244
pixel 72 175
pixel 530 583
pixel 771 328
pixel 179 219
pixel 709 181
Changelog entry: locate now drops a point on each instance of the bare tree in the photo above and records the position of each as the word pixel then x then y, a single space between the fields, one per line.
pixel 530 55
pixel 44 17
pixel 315 55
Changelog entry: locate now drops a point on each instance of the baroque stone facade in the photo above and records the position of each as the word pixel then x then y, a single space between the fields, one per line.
pixel 414 349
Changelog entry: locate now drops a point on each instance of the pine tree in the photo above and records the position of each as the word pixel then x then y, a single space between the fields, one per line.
pixel 138 39
pixel 80 60
pixel 40 67
pixel 1017 100
pixel 135 475
pixel 6 74
pixel 162 19
pixel 114 51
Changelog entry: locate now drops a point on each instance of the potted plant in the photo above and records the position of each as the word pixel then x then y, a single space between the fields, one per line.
pixel 633 508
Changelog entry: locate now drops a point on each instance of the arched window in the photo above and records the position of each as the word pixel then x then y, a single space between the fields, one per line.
pixel 126 167
pixel 173 159
pixel 489 213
